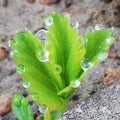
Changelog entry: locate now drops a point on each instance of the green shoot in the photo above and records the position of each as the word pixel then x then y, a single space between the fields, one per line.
pixel 21 107
pixel 53 66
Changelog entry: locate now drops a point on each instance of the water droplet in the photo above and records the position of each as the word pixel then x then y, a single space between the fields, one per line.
pixel 42 55
pixel 12 44
pixel 35 96
pixel 14 54
pixel 84 40
pixel 103 55
pixel 86 64
pixel 42 108
pixel 98 26
pixel 112 28
pixel 67 15
pixel 49 20
pixel 90 28
pixel 99 47
pixel 76 84
pixel 23 29
pixel 75 24
pixel 26 84
pixel 58 68
pixel 42 35
pixel 108 40
pixel 20 69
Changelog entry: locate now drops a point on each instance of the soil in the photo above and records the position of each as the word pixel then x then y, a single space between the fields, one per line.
pixel 15 14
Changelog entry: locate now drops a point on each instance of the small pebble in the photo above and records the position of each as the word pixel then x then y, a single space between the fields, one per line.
pixel 30 1
pixel 110 76
pixel 47 2
pixel 3 53
pixel 112 53
pixel 5 104
pixel 107 1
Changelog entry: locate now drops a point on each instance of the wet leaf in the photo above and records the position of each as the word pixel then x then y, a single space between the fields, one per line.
pixel 21 107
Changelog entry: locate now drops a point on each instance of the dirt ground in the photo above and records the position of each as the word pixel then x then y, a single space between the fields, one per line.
pixel 15 14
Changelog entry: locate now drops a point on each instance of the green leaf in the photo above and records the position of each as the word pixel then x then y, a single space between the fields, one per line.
pixel 65 47
pixel 97 44
pixel 42 81
pixel 21 107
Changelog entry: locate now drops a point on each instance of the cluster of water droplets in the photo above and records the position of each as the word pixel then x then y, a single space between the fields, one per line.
pixel 43 108
pixel 86 64
pixel 49 20
pixel 76 83
pixel 26 84
pixel 97 27
pixel 20 69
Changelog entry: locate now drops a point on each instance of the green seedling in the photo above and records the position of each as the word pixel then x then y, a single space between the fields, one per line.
pixel 53 62
pixel 21 107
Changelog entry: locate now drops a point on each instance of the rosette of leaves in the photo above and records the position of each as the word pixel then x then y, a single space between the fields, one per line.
pixel 53 66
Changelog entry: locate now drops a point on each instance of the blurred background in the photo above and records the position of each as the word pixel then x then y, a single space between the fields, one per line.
pixel 15 14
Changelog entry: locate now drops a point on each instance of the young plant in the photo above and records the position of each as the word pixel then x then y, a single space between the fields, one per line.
pixel 53 66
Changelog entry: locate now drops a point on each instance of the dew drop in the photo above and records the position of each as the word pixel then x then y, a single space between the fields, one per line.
pixel 75 24
pixel 35 96
pixel 20 69
pixel 58 68
pixel 12 44
pixel 67 15
pixel 76 84
pixel 42 35
pixel 49 20
pixel 90 28
pixel 98 26
pixel 42 55
pixel 23 29
pixel 103 55
pixel 26 84
pixel 108 40
pixel 42 108
pixel 86 64
pixel 14 54
pixel 84 41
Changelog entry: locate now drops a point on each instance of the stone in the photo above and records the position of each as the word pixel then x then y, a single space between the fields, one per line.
pixel 3 53
pixel 5 104
pixel 110 75
pixel 30 1
pixel 48 1
pixel 103 105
